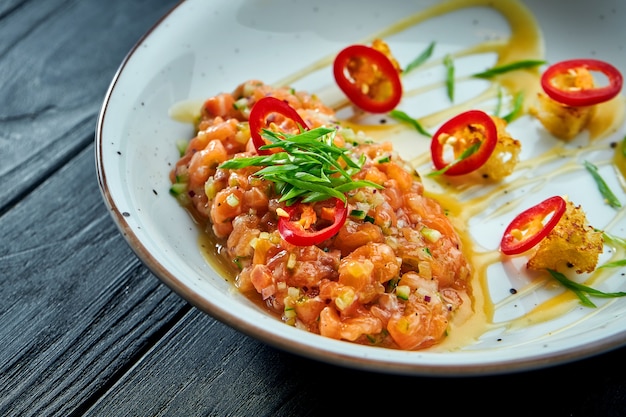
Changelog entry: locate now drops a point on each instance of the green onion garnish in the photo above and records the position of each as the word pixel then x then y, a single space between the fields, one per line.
pixel 498 108
pixel 614 240
pixel 178 188
pixel 582 291
pixel 615 264
pixel 403 117
pixel 604 189
pixel 181 145
pixel 501 69
pixel 466 154
pixel 449 64
pixel 517 108
pixel 358 214
pixel 420 59
pixel 307 168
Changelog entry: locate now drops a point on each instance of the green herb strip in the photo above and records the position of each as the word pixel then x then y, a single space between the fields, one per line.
pixel 448 62
pixel 181 145
pixel 602 186
pixel 423 57
pixel 617 241
pixel 501 69
pixel 308 168
pixel 403 117
pixel 615 264
pixel 499 97
pixel 583 291
pixel 466 154
pixel 518 101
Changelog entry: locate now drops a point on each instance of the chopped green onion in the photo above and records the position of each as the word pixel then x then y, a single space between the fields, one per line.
pixel 604 189
pixel 498 108
pixel 582 291
pixel 358 214
pixel 181 145
pixel 403 292
pixel 307 168
pixel 615 240
pixel 178 188
pixel 403 117
pixel 501 69
pixel 615 264
pixel 292 261
pixel 392 284
pixel 241 104
pixel 517 108
pixel 466 154
pixel 238 263
pixel 232 200
pixel 423 57
pixel 432 235
pixel 345 299
pixel 449 64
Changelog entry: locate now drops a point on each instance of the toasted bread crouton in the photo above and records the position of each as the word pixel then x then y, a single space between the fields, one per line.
pixel 573 243
pixel 505 156
pixel 382 46
pixel 565 122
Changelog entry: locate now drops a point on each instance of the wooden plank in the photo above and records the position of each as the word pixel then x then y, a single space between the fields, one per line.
pixel 58 58
pixel 201 369
pixel 64 334
pixel 198 369
pixel 77 306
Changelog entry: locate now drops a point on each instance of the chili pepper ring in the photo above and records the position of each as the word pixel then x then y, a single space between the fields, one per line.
pixel 531 220
pixel 582 97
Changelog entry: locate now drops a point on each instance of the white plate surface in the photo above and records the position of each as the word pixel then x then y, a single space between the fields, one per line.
pixel 202 48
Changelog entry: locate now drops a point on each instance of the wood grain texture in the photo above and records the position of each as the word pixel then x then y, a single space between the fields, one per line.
pixel 76 304
pixel 210 376
pixel 57 59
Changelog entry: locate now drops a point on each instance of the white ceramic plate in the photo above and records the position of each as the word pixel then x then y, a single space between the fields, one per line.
pixel 203 48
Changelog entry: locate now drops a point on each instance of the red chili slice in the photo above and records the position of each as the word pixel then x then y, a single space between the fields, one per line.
pixel 294 232
pixel 369 78
pixel 530 226
pixel 471 128
pixel 582 97
pixel 268 110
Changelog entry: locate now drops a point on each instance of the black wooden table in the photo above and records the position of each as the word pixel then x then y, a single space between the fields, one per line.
pixel 86 329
